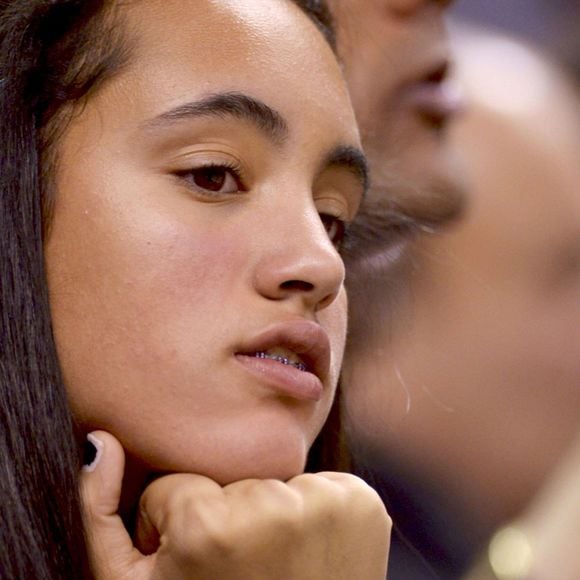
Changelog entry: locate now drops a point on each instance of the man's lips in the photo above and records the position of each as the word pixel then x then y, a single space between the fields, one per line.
pixel 435 96
pixel 303 343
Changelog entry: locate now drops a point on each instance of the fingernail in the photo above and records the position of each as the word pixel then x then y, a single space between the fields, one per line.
pixel 92 453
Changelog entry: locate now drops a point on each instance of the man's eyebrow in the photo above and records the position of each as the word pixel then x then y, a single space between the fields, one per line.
pixel 352 159
pixel 230 104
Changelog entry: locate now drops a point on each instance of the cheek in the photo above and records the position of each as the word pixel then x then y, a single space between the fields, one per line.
pixel 334 320
pixel 144 300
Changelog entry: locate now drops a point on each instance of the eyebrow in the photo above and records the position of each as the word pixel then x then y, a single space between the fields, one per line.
pixel 267 120
pixel 353 160
pixel 230 104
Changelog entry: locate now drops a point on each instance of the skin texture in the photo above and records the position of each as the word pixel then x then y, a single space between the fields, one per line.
pixel 156 285
pixel 474 387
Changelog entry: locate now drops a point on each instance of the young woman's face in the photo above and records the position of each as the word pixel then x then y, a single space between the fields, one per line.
pixel 196 287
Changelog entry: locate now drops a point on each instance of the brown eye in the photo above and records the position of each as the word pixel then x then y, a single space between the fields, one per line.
pixel 215 179
pixel 335 228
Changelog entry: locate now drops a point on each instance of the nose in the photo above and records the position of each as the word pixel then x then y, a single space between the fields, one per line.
pixel 411 7
pixel 300 264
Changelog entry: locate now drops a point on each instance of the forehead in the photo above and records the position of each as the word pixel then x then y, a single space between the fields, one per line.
pixel 268 48
pixel 233 25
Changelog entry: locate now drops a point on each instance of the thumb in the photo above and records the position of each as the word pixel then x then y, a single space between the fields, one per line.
pixel 111 548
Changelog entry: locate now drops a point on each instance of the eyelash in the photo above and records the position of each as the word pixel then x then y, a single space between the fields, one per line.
pixel 228 168
pixel 341 238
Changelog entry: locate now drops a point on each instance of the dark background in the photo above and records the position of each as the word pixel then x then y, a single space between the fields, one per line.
pixel 551 24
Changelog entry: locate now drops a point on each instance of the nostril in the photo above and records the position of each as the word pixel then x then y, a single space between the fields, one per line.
pixel 299 285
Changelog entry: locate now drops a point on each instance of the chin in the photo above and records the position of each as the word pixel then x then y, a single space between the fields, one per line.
pixel 272 444
pixel 279 455
pixel 282 463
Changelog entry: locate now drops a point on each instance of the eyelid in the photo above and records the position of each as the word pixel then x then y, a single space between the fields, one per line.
pixel 343 230
pixel 205 156
pixel 191 161
pixel 209 164
pixel 342 190
pixel 336 204
pixel 332 204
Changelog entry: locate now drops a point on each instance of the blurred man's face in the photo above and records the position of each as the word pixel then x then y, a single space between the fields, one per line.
pixel 396 58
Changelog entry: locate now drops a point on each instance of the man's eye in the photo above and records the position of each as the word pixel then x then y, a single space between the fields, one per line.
pixel 335 228
pixel 213 179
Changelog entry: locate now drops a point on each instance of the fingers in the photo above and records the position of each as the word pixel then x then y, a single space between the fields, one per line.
pixel 101 479
pixel 178 507
pixel 111 549
pixel 346 489
pixel 314 527
pixel 352 518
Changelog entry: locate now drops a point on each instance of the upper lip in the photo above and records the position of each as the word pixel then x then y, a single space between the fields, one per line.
pixel 434 88
pixel 305 338
pixel 431 65
pixel 436 74
pixel 432 91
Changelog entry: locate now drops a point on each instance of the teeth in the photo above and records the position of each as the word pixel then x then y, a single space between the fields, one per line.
pixel 284 353
pixel 281 358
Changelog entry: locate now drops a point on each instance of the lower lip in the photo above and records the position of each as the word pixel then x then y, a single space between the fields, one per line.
pixel 438 100
pixel 286 380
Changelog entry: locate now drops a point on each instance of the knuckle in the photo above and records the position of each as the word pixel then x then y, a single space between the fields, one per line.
pixel 278 505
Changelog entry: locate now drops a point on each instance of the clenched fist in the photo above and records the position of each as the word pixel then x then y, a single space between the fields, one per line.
pixel 313 527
